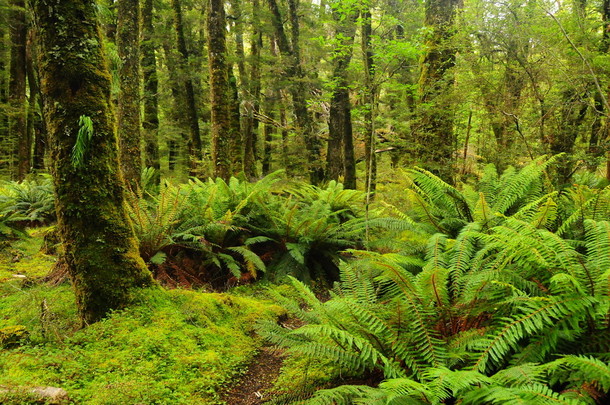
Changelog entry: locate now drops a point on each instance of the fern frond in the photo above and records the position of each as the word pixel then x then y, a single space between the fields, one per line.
pixel 537 316
pixel 517 187
pixel 578 370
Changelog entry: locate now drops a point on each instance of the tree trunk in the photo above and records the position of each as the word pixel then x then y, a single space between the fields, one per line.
pixel 436 138
pixel 35 123
pixel 293 71
pixel 177 113
pixel 572 114
pixel 17 86
pixel 252 103
pixel 370 105
pixel 101 251
pixel 219 90
pixel 150 124
pixel 268 131
pixel 5 150
pixel 194 143
pixel 128 45
pixel 340 156
pixel 235 138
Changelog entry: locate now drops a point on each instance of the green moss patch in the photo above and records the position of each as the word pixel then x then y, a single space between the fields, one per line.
pixel 172 347
pixel 22 257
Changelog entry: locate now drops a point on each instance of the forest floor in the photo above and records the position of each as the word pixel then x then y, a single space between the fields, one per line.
pixel 172 347
pixel 256 385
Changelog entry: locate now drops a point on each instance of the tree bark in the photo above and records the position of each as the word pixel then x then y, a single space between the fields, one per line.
pixel 36 125
pixel 4 134
pixel 194 144
pixel 436 137
pixel 252 103
pixel 235 136
pixel 101 251
pixel 177 113
pixel 17 86
pixel 291 55
pixel 370 104
pixel 340 156
pixel 219 90
pixel 150 124
pixel 128 45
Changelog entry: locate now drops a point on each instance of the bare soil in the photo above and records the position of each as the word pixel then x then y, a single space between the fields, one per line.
pixel 256 386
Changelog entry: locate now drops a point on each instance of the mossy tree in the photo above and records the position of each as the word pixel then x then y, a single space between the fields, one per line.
pixel 17 89
pixel 219 90
pixel 128 44
pixel 101 251
pixel 340 157
pixel 369 97
pixel 194 141
pixel 435 135
pixel 290 52
pixel 3 82
pixel 150 124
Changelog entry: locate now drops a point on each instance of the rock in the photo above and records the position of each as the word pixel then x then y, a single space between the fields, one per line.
pixel 12 336
pixel 42 395
pixel 51 395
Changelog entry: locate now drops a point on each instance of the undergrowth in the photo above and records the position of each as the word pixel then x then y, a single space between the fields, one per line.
pixel 171 347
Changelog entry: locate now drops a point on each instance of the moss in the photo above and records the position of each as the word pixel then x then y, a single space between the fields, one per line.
pixel 23 257
pixel 100 249
pixel 12 336
pixel 170 347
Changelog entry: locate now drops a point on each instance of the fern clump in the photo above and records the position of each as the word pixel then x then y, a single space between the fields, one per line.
pixel 26 203
pixel 507 311
pixel 235 231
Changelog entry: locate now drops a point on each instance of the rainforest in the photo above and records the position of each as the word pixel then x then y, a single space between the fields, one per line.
pixel 316 202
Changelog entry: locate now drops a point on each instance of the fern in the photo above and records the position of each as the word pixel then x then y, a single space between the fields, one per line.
pixel 83 140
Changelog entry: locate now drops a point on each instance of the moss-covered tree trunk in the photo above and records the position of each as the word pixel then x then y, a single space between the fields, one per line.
pixel 340 157
pixel 293 71
pixel 370 105
pixel 252 95
pixel 36 125
pixel 219 90
pixel 177 113
pixel 194 143
pixel 101 251
pixel 150 124
pixel 236 150
pixel 35 106
pixel 435 135
pixel 128 45
pixel 17 85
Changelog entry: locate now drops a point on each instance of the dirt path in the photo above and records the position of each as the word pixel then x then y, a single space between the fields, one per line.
pixel 253 387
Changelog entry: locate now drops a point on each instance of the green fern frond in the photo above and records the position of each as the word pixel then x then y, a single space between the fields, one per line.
pixel 537 316
pixel 347 395
pixel 83 139
pixel 578 370
pixel 522 395
pixel 517 186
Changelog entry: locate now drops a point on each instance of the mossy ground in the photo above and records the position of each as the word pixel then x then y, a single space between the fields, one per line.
pixel 171 347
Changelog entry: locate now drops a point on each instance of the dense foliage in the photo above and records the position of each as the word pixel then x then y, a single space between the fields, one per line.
pixel 509 309
pixel 494 292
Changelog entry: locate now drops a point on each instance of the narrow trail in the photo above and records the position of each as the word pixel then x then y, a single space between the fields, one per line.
pixel 253 388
